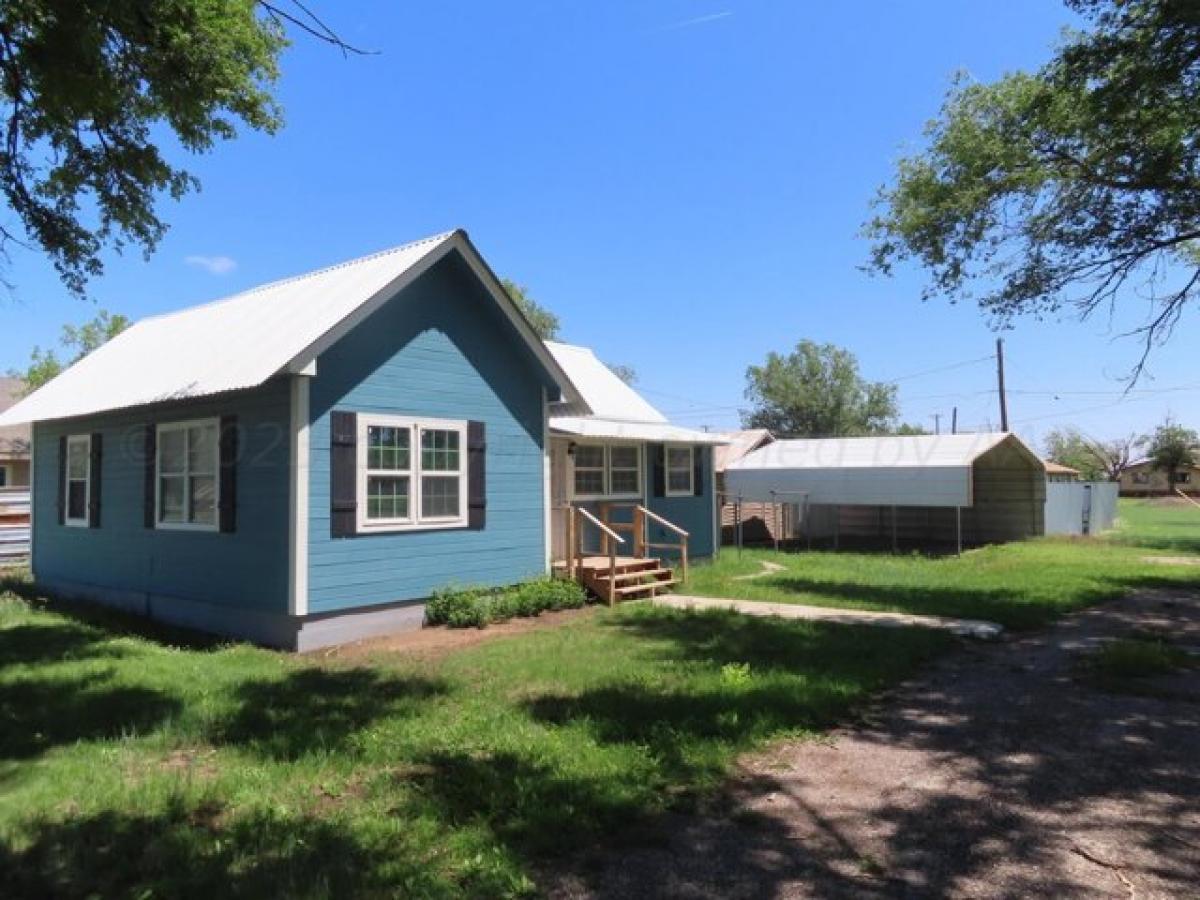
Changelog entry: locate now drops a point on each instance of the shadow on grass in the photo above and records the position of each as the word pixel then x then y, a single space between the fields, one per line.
pixel 53 642
pixel 1182 543
pixel 202 851
pixel 38 715
pixel 315 709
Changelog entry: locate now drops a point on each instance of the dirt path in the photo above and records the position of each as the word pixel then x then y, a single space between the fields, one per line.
pixel 1000 773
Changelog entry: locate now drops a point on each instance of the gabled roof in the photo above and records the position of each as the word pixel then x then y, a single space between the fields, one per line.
pixel 740 443
pixel 606 395
pixel 884 452
pixel 617 411
pixel 243 340
pixel 1053 468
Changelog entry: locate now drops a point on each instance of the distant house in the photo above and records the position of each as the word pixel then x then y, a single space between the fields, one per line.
pixel 14 439
pixel 1057 472
pixel 304 463
pixel 1142 479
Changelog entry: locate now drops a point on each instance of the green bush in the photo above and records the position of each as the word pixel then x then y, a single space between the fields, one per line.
pixel 477 607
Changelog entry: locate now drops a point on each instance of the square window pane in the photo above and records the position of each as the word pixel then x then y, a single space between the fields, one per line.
pixel 203 500
pixel 76 499
pixel 624 457
pixel 589 481
pixel 170 499
pixel 679 480
pixel 388 447
pixel 172 452
pixel 589 457
pixel 625 481
pixel 679 457
pixel 77 459
pixel 439 497
pixel 387 497
pixel 202 449
pixel 439 450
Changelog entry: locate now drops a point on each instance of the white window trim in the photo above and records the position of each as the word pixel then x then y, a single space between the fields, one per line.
pixel 691 470
pixel 415 521
pixel 166 427
pixel 608 494
pixel 86 441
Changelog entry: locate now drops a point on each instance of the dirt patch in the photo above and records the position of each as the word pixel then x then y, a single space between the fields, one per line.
pixel 998 773
pixel 1173 560
pixel 431 643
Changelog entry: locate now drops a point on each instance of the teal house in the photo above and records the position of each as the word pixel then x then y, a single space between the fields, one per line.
pixel 304 463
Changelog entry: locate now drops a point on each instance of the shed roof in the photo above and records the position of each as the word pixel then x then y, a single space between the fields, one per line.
pixel 14 439
pixel 894 470
pixel 1053 468
pixel 243 340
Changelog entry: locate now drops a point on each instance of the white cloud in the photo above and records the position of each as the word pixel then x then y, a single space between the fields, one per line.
pixel 214 265
pixel 691 23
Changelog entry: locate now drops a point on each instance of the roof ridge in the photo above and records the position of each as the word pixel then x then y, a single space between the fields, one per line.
pixel 279 282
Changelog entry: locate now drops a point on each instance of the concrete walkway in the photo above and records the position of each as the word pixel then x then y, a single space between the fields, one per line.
pixel 972 628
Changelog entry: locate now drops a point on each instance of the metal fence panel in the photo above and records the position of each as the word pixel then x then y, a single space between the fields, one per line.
pixel 1080 507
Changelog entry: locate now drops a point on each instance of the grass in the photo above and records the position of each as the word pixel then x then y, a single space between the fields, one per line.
pixel 1020 585
pixel 134 763
pixel 1137 658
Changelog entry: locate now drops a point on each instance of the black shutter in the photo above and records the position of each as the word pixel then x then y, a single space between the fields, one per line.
pixel 343 480
pixel 227 512
pixel 659 452
pixel 698 471
pixel 149 461
pixel 95 464
pixel 476 476
pixel 62 480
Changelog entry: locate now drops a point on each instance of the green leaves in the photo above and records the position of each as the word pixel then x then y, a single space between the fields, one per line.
pixel 1055 190
pixel 83 96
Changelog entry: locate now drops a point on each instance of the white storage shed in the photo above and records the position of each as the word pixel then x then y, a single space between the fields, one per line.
pixel 925 489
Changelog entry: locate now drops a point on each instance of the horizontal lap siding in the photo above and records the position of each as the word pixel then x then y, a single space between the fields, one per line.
pixel 245 569
pixel 694 514
pixel 440 349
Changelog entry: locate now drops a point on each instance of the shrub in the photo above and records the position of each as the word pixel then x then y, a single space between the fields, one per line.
pixel 476 607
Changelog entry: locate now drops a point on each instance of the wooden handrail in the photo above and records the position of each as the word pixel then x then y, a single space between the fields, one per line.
pixel 608 531
pixel 663 522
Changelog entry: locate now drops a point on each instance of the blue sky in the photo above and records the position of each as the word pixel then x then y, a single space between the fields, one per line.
pixel 681 181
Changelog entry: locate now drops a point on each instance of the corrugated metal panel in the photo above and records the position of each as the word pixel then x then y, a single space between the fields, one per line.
pixel 592 427
pixel 887 452
pixel 606 395
pixel 238 342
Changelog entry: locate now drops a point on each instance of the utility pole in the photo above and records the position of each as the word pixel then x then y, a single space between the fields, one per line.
pixel 954 421
pixel 1000 384
pixel 937 423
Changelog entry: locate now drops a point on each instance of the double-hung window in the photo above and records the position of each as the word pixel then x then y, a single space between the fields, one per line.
pixel 680 470
pixel 607 471
pixel 412 473
pixel 187 482
pixel 78 487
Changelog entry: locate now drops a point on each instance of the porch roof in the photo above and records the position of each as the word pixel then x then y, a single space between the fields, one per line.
pixel 615 429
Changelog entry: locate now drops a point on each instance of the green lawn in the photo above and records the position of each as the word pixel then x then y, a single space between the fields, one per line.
pixel 1020 585
pixel 133 766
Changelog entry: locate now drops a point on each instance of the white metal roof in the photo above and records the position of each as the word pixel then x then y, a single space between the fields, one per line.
pixel 241 341
pixel 895 470
pixel 740 444
pixel 606 395
pixel 591 427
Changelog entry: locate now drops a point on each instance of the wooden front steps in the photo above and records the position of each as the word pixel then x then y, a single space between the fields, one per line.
pixel 628 577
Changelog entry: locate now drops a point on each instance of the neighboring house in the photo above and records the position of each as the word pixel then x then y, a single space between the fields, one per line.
pixel 1142 479
pixel 14 439
pixel 304 463
pixel 1056 472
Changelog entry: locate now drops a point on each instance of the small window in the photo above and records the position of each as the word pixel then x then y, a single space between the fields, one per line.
pixel 1183 477
pixel 679 471
pixel 3 476
pixel 402 489
pixel 625 470
pixel 589 470
pixel 1141 478
pixel 78 488
pixel 187 475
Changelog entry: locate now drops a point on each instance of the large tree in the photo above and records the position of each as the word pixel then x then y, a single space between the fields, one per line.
pixel 78 341
pixel 1172 448
pixel 817 391
pixel 1067 188
pixel 90 93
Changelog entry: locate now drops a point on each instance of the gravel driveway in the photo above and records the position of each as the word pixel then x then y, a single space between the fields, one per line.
pixel 1002 772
